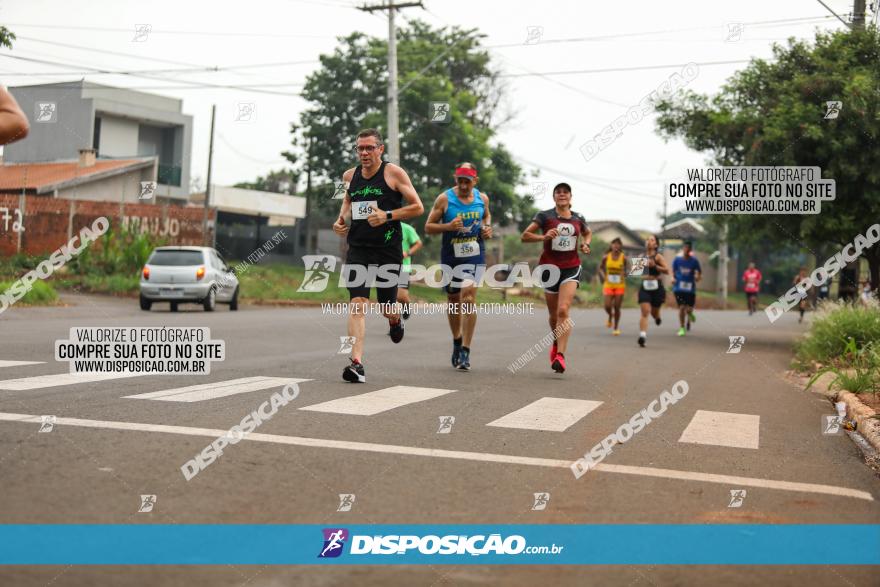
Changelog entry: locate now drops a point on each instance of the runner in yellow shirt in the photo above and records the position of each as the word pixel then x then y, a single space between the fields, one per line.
pixel 613 276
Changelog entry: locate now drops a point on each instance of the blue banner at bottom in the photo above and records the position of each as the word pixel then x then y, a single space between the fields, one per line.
pixel 484 544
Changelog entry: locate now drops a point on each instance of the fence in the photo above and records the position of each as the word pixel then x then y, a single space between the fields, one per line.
pixel 37 225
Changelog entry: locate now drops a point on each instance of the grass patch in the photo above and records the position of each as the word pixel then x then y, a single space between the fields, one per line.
pixel 857 370
pixel 844 339
pixel 40 294
pixel 834 325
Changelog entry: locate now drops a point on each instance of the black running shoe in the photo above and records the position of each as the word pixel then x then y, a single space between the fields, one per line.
pixel 396 332
pixel 558 363
pixel 456 355
pixel 657 321
pixel 464 359
pixel 354 373
pixel 405 313
pixel 642 341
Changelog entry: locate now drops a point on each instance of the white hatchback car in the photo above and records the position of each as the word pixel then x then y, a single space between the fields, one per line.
pixel 188 275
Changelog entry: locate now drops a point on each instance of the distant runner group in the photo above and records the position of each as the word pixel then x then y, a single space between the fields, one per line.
pixel 380 195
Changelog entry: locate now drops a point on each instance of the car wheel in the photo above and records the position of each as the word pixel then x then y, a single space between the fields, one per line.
pixel 210 301
pixel 146 304
pixel 233 303
pixel 173 306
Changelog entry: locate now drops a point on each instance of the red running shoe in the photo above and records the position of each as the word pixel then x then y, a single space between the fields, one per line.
pixel 559 363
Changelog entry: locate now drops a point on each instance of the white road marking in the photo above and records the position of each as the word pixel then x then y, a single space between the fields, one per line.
pixel 376 402
pixel 19 363
pixel 723 429
pixel 206 391
pixel 41 381
pixel 728 480
pixel 548 413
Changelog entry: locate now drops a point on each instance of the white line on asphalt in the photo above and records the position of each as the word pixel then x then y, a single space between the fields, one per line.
pixel 729 480
pixel 41 381
pixel 206 391
pixel 375 402
pixel 548 413
pixel 723 429
pixel 19 363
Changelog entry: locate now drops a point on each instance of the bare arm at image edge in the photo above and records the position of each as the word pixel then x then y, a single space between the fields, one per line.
pixel 13 123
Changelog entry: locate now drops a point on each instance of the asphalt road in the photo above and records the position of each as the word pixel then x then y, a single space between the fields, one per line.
pixel 742 425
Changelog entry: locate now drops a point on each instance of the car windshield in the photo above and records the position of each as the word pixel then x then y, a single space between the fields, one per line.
pixel 176 258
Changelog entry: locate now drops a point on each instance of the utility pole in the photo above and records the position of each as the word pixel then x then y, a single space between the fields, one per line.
pixel 722 266
pixel 393 138
pixel 309 199
pixel 208 187
pixel 858 14
pixel 665 202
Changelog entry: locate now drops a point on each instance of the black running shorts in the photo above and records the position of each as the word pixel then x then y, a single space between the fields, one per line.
pixel 565 275
pixel 655 297
pixel 357 264
pixel 686 298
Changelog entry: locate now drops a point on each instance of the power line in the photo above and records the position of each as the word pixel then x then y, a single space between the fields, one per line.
pixel 194 67
pixel 566 86
pixel 191 84
pixel 153 31
pixel 834 13
pixel 305 35
pixel 553 81
pixel 248 157
pixel 326 3
pixel 620 69
pixel 804 20
pixel 586 179
pixel 91 70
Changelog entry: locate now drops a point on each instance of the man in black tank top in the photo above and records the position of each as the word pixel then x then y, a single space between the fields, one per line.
pixel 378 197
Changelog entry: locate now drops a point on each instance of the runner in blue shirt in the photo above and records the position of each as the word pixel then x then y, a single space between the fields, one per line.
pixel 461 214
pixel 686 272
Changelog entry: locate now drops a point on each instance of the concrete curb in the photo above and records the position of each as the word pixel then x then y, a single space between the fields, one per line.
pixel 868 424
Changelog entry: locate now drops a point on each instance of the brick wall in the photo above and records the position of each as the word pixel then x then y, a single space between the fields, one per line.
pixel 50 222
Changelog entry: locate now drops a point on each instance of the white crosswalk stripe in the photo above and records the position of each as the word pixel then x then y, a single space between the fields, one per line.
pixel 723 429
pixel 376 402
pixel 548 413
pixel 20 363
pixel 218 389
pixel 41 381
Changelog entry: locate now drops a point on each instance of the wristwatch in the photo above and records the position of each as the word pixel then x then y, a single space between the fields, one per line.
pixel 388 215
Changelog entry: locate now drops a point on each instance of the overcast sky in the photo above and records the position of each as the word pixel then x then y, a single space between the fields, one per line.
pixel 555 114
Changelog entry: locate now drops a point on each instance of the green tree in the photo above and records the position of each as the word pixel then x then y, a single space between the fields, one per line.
pixel 6 37
pixel 773 113
pixel 348 93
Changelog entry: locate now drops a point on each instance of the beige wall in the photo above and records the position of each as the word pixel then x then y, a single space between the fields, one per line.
pixel 119 137
pixel 123 187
